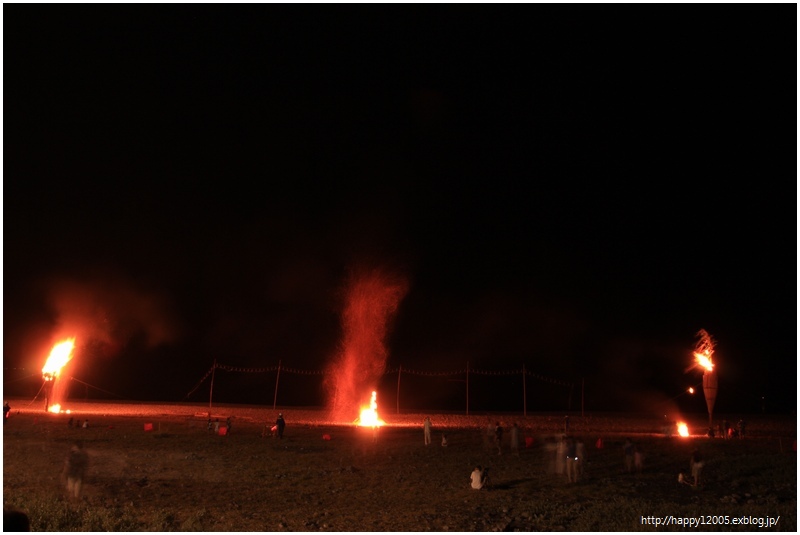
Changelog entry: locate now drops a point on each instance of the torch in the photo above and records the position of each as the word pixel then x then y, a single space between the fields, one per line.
pixel 702 354
pixel 59 356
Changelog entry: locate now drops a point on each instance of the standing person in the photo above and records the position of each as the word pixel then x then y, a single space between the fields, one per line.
pixel 444 440
pixel 280 424
pixel 426 426
pixel 488 437
pixel 515 439
pixel 498 438
pixel 228 423
pixel 561 454
pixel 6 411
pixel 216 426
pixel 75 469
pixel 740 427
pixel 696 464
pixel 627 452
pixel 580 457
pixel 571 461
pixel 638 458
pixel 725 426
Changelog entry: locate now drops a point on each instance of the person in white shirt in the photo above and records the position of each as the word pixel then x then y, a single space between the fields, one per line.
pixel 478 478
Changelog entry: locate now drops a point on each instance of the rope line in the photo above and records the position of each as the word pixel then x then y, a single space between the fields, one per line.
pixel 423 373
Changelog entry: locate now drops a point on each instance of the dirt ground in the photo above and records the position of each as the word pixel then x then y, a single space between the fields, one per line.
pixel 326 477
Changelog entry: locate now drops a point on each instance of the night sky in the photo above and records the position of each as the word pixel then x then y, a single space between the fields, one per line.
pixel 575 189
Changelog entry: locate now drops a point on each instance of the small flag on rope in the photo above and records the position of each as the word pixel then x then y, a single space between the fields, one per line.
pixel 148 427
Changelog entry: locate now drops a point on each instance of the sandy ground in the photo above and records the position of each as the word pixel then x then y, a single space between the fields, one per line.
pixel 331 476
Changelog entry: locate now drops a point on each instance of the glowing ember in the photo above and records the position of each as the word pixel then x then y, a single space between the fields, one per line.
pixel 683 429
pixel 59 356
pixel 369 416
pixel 691 390
pixel 55 408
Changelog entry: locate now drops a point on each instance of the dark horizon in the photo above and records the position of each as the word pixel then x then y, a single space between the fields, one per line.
pixel 556 189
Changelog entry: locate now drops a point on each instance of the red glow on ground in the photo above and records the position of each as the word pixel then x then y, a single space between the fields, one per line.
pixel 371 300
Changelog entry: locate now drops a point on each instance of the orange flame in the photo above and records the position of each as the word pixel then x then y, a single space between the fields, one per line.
pixel 683 429
pixel 704 360
pixel 369 416
pixel 704 349
pixel 59 356
pixel 55 408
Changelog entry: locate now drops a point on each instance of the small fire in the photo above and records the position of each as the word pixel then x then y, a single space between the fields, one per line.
pixel 683 429
pixel 691 390
pixel 369 416
pixel 59 356
pixel 55 408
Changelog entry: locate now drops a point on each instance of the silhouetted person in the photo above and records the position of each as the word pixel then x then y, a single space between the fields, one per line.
pixel 280 423
pixel 696 464
pixel 426 426
pixel 580 458
pixel 571 461
pixel 515 439
pixel 228 424
pixel 638 458
pixel 627 453
pixel 75 469
pixel 15 521
pixel 6 411
pixel 498 438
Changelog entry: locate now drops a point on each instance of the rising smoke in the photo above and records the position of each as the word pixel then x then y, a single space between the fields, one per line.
pixel 371 298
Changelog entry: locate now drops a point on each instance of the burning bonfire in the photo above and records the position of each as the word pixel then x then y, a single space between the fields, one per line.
pixel 369 415
pixel 683 429
pixel 60 355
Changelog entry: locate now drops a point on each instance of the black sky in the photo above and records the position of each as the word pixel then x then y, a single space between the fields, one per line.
pixel 579 189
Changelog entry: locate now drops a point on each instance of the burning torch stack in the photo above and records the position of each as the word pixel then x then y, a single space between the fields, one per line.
pixel 59 356
pixel 702 354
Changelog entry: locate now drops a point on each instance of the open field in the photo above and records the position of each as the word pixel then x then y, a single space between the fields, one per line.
pixel 180 477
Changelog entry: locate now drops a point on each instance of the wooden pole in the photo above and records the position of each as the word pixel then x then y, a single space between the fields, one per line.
pixel 399 370
pixel 211 391
pixel 467 388
pixel 277 378
pixel 524 393
pixel 583 380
